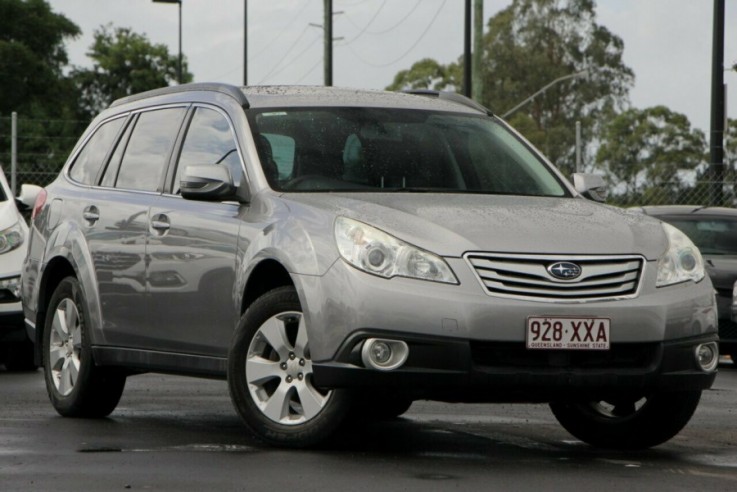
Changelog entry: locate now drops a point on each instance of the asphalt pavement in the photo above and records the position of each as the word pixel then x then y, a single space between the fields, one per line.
pixel 177 433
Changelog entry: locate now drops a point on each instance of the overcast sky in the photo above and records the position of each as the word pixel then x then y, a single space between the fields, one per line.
pixel 668 43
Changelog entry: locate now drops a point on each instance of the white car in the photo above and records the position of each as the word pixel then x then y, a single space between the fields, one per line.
pixel 16 348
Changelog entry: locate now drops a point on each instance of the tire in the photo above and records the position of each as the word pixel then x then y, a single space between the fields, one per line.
pixel 628 423
pixel 19 357
pixel 76 387
pixel 270 376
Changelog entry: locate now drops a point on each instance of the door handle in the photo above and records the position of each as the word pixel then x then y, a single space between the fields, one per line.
pixel 91 214
pixel 160 222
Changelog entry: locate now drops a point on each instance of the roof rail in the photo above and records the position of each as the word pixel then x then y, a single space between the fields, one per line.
pixel 451 97
pixel 227 89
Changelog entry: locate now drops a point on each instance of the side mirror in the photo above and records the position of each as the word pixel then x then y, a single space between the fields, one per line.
pixel 591 186
pixel 208 182
pixel 27 198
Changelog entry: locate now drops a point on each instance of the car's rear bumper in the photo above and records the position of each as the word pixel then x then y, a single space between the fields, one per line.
pixel 455 369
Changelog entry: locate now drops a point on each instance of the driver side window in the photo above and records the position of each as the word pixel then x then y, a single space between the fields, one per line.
pixel 209 140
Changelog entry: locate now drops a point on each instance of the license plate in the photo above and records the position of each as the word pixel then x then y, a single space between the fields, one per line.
pixel 567 333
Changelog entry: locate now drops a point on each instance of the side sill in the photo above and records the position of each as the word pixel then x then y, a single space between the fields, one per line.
pixel 164 362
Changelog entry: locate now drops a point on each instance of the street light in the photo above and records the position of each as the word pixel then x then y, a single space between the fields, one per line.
pixel 559 79
pixel 179 64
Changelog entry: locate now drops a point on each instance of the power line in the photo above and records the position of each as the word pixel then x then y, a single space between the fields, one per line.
pixel 388 29
pixel 309 71
pixel 296 41
pixel 305 4
pixel 296 57
pixel 414 45
pixel 376 14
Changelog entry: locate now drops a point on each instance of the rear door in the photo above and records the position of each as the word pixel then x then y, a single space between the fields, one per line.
pixel 117 216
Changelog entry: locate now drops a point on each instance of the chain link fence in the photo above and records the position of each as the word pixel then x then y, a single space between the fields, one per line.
pixel 42 146
pixel 697 193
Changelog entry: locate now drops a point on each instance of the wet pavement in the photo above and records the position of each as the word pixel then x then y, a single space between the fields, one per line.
pixel 177 433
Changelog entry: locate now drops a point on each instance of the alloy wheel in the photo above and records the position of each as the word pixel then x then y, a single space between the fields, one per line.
pixel 279 371
pixel 65 346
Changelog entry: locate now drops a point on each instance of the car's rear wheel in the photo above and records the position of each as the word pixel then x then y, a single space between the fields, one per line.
pixel 628 423
pixel 76 387
pixel 270 375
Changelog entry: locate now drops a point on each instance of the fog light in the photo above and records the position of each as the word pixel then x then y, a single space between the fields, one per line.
pixel 12 285
pixel 384 355
pixel 707 355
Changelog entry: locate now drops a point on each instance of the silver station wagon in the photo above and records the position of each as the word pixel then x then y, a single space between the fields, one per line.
pixel 338 254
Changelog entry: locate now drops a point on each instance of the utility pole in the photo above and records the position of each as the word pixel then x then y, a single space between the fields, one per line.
pixel 467 51
pixel 477 86
pixel 328 30
pixel 245 42
pixel 716 141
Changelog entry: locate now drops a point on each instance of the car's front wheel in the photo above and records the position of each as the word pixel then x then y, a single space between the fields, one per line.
pixel 628 423
pixel 270 375
pixel 76 387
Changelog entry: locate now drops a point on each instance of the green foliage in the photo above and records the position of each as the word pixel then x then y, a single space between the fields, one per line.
pixel 648 147
pixel 32 56
pixel 32 83
pixel 528 45
pixel 534 42
pixel 426 74
pixel 124 63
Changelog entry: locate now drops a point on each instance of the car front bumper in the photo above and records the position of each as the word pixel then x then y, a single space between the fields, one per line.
pixel 465 344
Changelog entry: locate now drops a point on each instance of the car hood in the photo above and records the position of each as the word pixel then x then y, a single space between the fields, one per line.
pixel 8 214
pixel 722 271
pixel 453 224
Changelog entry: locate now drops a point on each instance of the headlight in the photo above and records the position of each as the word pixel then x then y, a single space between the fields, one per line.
pixel 11 238
pixel 376 252
pixel 682 260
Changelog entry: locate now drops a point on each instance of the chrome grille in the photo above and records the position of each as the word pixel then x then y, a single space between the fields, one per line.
pixel 528 276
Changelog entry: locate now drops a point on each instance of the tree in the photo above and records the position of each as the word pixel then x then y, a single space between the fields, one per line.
pixel 124 63
pixel 32 56
pixel 532 43
pixel 648 148
pixel 427 74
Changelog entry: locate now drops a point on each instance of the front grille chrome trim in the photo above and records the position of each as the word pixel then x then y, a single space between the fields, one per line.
pixel 515 276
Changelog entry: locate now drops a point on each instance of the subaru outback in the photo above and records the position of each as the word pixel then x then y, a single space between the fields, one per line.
pixel 337 252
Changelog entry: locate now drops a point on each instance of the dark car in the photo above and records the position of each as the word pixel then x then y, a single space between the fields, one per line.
pixel 714 230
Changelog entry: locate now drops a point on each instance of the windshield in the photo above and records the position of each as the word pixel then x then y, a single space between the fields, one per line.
pixel 712 235
pixel 376 149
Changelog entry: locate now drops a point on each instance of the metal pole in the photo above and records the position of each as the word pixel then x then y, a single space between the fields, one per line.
pixel 578 147
pixel 716 142
pixel 477 85
pixel 551 84
pixel 328 30
pixel 245 42
pixel 13 150
pixel 467 51
pixel 179 66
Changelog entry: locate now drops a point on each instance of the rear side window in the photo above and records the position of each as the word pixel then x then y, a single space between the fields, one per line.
pixel 209 140
pixel 89 161
pixel 148 149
